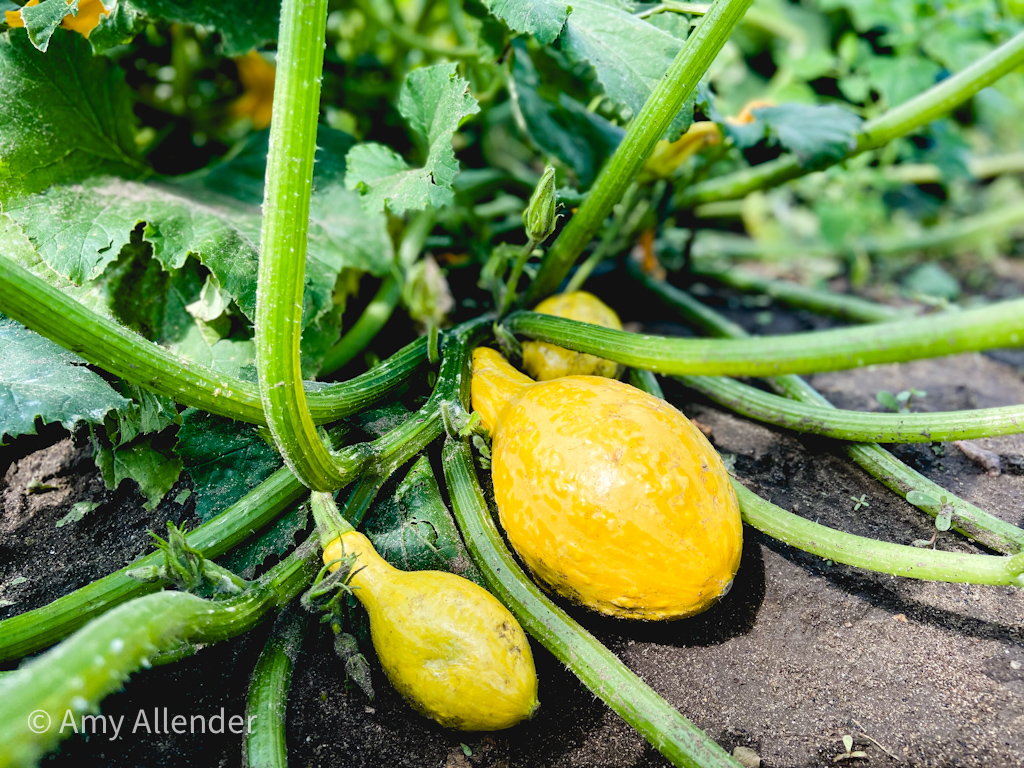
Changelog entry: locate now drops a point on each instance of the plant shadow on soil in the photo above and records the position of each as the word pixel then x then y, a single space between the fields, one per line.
pixel 799 654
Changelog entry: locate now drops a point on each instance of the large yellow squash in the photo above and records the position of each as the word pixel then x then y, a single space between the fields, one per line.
pixel 610 496
pixel 448 646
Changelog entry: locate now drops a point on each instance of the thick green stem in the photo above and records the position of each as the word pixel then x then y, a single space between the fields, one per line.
pixel 881 556
pixel 909 116
pixel 823 302
pixel 73 678
pixel 600 670
pixel 36 629
pixel 282 269
pixel 858 426
pixel 366 328
pixel 967 519
pixel 604 247
pixel 644 132
pixel 30 300
pixel 998 325
pixel 268 695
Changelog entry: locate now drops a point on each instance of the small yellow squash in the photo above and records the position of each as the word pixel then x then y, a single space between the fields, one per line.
pixel 610 496
pixel 545 361
pixel 448 646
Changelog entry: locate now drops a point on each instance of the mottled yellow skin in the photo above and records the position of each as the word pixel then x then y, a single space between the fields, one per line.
pixel 545 361
pixel 448 646
pixel 610 496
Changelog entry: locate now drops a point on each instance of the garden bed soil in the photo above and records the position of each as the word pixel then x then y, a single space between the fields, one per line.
pixel 799 654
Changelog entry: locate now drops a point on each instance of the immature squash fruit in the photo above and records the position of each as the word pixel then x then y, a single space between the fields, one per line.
pixel 610 496
pixel 545 361
pixel 448 646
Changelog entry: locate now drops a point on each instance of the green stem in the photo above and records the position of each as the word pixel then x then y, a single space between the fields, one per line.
pixel 36 629
pixel 101 341
pixel 512 283
pixel 858 426
pixel 907 117
pixel 268 695
pixel 282 268
pixel 960 233
pixel 330 524
pixel 998 325
pixel 604 247
pixel 600 670
pixel 644 132
pixel 881 556
pixel 971 521
pixel 852 308
pixel 979 167
pixel 75 676
pixel 366 328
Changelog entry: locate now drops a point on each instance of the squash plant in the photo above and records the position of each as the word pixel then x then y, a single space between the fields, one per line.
pixel 183 318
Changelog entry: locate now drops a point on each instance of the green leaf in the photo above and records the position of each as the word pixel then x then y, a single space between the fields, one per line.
pixel 225 460
pixel 243 24
pixel 433 100
pixel 581 139
pixel 80 229
pixel 78 511
pixel 815 134
pixel 40 20
pixel 628 54
pixel 543 19
pixel 40 380
pixel 277 539
pixel 899 78
pixel 154 468
pixel 930 279
pixel 414 530
pixel 66 116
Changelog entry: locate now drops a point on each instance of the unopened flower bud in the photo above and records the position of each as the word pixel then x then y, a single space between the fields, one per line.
pixel 539 216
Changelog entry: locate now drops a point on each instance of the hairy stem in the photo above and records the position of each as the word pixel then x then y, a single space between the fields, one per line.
pixel 50 313
pixel 644 132
pixel 268 695
pixel 858 426
pixel 282 267
pixel 73 678
pixel 366 328
pixel 881 556
pixel 998 325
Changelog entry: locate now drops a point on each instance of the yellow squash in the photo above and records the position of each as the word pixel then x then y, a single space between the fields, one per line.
pixel 545 361
pixel 610 496
pixel 448 646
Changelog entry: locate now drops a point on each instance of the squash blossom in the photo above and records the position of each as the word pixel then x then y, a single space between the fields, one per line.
pixel 88 18
pixel 257 99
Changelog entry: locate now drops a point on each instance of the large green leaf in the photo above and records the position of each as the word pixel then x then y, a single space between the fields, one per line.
pixel 80 229
pixel 433 100
pixel 628 54
pixel 67 115
pixel 153 466
pixel 578 137
pixel 225 459
pixel 541 18
pixel 243 24
pixel 40 380
pixel 414 530
pixel 815 134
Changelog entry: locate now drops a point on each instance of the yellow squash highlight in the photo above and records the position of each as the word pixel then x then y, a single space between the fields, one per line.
pixel 448 646
pixel 545 361
pixel 610 496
